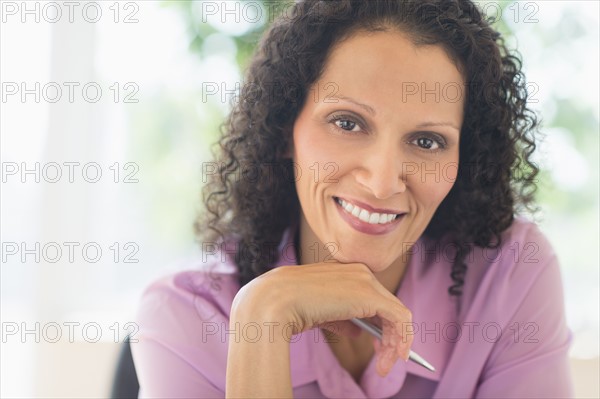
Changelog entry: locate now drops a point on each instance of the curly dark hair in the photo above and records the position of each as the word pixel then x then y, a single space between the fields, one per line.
pixel 495 176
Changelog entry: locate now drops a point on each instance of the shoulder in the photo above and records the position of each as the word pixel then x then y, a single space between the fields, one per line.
pixel 523 248
pixel 205 287
pixel 527 241
pixel 517 290
pixel 182 322
pixel 188 300
pixel 524 263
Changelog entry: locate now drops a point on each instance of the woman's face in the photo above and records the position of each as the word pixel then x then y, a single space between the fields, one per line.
pixel 380 131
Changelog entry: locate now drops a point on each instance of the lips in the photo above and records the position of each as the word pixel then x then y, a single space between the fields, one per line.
pixel 365 227
pixel 364 215
pixel 369 208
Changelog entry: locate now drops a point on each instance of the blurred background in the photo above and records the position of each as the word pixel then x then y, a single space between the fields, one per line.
pixel 108 112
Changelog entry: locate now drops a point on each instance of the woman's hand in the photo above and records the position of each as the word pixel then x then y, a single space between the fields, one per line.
pixel 328 295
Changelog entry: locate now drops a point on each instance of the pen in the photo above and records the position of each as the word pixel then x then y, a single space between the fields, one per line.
pixel 376 332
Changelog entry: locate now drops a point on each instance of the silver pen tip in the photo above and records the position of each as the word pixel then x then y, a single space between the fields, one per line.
pixel 421 361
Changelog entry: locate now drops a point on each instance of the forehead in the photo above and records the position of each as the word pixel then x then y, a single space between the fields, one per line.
pixel 386 68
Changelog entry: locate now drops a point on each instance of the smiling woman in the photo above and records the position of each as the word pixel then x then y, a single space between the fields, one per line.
pixel 373 138
pixel 395 139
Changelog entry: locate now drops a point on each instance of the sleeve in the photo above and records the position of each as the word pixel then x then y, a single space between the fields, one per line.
pixel 179 351
pixel 530 359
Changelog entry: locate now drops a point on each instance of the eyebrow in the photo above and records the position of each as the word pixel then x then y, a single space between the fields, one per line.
pixel 433 124
pixel 366 107
pixel 371 111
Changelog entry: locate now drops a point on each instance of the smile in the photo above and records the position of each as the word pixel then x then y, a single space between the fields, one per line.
pixel 364 215
pixel 367 222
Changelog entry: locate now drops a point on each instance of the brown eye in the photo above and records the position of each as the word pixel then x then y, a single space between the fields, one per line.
pixel 425 142
pixel 346 124
pixel 429 142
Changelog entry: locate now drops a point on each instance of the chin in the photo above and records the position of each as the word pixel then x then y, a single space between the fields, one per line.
pixel 376 265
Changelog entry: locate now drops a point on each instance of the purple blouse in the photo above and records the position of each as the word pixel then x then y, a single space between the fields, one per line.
pixel 506 337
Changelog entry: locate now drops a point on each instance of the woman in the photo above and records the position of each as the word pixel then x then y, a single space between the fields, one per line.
pixel 372 169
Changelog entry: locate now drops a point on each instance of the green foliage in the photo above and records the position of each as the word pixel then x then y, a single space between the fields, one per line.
pixel 200 28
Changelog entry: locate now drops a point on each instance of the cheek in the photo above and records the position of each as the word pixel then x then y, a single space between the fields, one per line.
pixel 305 140
pixel 317 160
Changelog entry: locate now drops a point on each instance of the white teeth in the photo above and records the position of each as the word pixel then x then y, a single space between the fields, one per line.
pixel 348 208
pixel 364 215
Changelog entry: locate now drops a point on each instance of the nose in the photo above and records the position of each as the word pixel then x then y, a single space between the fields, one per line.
pixel 381 171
